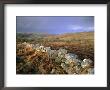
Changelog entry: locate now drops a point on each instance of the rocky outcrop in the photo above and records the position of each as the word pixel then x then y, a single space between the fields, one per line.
pixel 50 61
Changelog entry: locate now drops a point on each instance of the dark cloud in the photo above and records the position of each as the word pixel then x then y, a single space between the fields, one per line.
pixel 55 24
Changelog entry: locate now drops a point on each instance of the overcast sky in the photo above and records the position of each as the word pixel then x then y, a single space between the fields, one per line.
pixel 54 24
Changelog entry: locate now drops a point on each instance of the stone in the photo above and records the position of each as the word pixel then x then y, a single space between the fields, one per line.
pixel 90 71
pixel 86 63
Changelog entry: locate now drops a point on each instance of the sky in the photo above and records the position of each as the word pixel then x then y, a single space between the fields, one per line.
pixel 54 24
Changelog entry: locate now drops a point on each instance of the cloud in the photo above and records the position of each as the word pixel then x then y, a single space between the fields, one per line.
pixel 76 27
pixel 90 28
pixel 79 28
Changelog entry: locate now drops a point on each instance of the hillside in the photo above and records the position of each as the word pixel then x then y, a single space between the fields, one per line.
pixel 72 36
pixel 55 54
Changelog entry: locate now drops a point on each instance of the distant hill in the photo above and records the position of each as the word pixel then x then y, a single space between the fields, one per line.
pixel 30 35
pixel 73 36
pixel 80 36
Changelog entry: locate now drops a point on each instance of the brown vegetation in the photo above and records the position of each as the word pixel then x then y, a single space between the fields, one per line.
pixel 30 61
